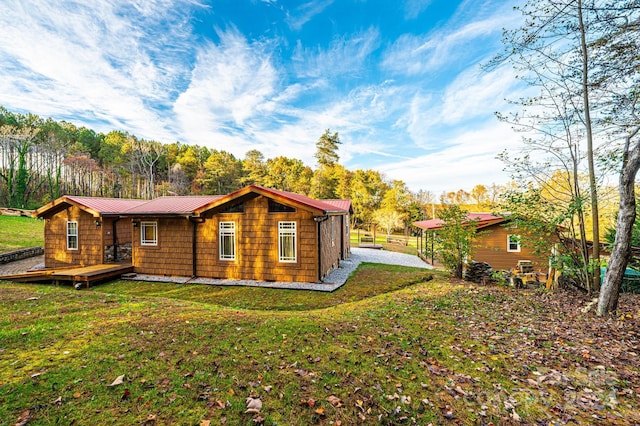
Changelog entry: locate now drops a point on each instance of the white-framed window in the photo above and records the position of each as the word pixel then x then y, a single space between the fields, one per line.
pixel 72 235
pixel 227 233
pixel 287 251
pixel 513 243
pixel 149 233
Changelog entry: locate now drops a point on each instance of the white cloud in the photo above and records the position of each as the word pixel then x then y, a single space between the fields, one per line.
pixel 469 159
pixel 456 42
pixel 305 12
pixel 413 8
pixel 344 55
pixel 95 61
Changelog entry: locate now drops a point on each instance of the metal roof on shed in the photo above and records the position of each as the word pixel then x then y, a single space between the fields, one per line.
pixel 483 219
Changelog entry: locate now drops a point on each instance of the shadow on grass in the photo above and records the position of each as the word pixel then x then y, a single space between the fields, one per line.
pixel 367 281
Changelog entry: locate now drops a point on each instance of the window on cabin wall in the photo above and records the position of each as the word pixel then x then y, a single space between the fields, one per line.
pixel 72 235
pixel 227 232
pixel 513 243
pixel 287 242
pixel 149 233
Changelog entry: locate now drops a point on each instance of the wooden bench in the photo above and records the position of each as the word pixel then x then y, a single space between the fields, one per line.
pixel 366 239
pixel 399 241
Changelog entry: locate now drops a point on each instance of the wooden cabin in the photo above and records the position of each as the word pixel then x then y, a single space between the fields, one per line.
pixel 255 233
pixel 82 231
pixel 499 242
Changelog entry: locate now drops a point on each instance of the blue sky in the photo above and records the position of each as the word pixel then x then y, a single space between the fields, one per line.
pixel 398 79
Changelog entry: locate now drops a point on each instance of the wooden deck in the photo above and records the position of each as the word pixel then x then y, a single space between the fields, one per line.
pixel 78 276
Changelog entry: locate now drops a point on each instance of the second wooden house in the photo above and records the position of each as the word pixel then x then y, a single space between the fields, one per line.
pixel 499 242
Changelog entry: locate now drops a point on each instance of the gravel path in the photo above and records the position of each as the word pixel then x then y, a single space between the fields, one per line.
pixel 359 255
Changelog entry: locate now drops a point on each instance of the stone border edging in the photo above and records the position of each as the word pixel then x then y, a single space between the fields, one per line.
pixel 20 254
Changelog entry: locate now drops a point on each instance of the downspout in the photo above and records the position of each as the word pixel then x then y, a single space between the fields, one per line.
pixel 194 254
pixel 194 265
pixel 114 231
pixel 319 220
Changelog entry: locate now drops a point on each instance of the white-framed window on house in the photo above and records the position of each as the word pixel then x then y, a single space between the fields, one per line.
pixel 72 235
pixel 513 243
pixel 149 233
pixel 287 251
pixel 227 238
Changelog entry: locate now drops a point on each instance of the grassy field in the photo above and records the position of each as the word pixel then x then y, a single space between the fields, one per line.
pixel 381 240
pixel 18 232
pixel 387 348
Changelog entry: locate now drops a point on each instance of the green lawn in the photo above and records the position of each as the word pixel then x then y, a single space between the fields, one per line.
pixel 387 348
pixel 18 232
pixel 381 240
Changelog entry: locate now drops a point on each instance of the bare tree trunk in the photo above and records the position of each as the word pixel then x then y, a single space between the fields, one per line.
pixel 593 192
pixel 610 291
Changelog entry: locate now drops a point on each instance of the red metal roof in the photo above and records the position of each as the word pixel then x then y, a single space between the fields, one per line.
pixel 324 205
pixel 105 205
pixel 187 205
pixel 483 219
pixel 341 204
pixel 297 199
pixel 173 205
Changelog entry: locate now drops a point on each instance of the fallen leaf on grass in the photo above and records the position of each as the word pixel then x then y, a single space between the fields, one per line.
pixel 205 423
pixel 308 402
pixel 319 411
pixel 118 381
pixel 57 401
pixel 151 418
pixel 334 400
pixel 24 418
pixel 254 405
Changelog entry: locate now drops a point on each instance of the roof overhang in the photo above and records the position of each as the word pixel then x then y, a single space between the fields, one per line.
pixel 253 191
pixel 62 204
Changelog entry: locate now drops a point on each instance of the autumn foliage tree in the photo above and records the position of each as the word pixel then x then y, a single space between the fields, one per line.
pixel 454 241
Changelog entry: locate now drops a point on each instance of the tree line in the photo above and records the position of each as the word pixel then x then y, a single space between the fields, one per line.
pixel 42 159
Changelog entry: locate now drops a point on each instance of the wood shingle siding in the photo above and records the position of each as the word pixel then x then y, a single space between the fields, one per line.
pixel 90 245
pixel 171 256
pixel 257 245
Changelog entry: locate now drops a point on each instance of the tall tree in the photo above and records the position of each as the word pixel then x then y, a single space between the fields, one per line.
pixel 555 51
pixel 222 173
pixel 16 172
pixel 367 191
pixel 253 168
pixel 327 149
pixel 288 174
pixel 618 53
pixel 454 241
